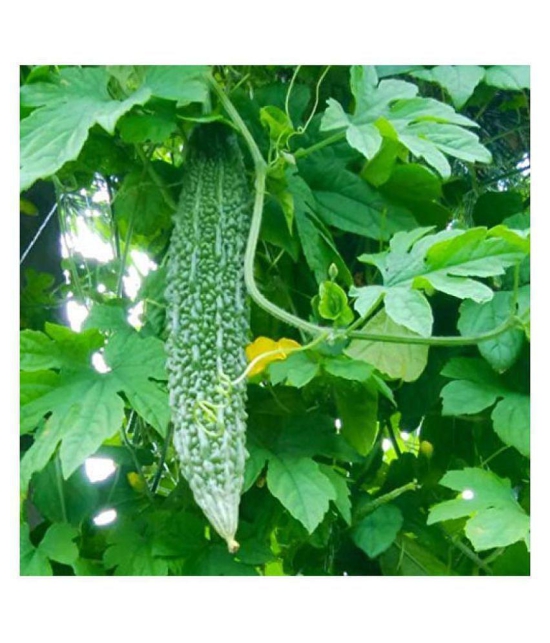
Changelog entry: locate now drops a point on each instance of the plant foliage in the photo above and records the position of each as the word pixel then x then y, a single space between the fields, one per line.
pixel 387 271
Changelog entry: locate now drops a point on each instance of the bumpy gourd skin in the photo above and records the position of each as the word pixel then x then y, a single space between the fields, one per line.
pixel 208 324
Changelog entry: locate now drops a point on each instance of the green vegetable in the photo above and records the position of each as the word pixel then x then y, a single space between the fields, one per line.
pixel 208 323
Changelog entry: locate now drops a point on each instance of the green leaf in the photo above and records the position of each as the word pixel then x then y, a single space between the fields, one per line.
pixel 514 561
pixel 56 132
pixel 342 500
pixel 495 517
pixel 86 409
pixel 334 117
pixel 424 149
pixel 364 138
pixel 379 169
pixel 476 388
pixel 375 533
pixel 497 527
pixel 33 385
pixel 64 348
pixel 511 421
pixel 111 316
pixel 473 369
pixel 347 369
pixel 310 434
pixel 278 124
pixel 301 487
pixel 357 408
pixel 58 544
pixel 32 561
pixel 395 70
pixel 255 552
pixel 217 561
pixel 419 110
pixel 350 204
pixel 141 202
pixel 333 303
pixel 130 552
pixel 398 361
pixel 175 534
pixel 84 414
pixel 146 128
pixel 372 102
pixel 296 370
pixel 475 319
pixel 182 83
pixel 412 182
pixel 317 242
pixel 473 253
pixel 58 500
pixel 134 362
pixel 347 202
pixel 367 298
pixel 459 80
pixel 428 128
pixel 85 567
pixel 446 260
pixel 514 77
pixel 407 557
pixel 257 457
pixel 409 308
pixel 462 397
pixel 450 139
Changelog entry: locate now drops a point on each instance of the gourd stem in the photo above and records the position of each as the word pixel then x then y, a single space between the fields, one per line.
pixel 260 167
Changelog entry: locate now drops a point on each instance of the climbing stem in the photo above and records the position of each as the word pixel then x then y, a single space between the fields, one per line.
pixel 387 497
pixel 289 92
pixel 511 322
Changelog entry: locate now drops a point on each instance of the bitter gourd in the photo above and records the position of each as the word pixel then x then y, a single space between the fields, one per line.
pixel 208 325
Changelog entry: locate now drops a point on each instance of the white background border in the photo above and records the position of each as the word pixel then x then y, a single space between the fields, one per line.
pixel 268 609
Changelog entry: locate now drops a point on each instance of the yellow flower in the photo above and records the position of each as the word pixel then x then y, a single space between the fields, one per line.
pixel 273 350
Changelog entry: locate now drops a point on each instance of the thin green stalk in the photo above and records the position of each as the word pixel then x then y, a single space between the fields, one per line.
pixel 124 257
pixel 471 555
pixel 494 455
pixel 59 483
pixel 241 82
pixel 289 92
pixel 158 474
pixel 316 103
pixel 435 340
pixel 318 146
pixel 387 497
pixel 137 464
